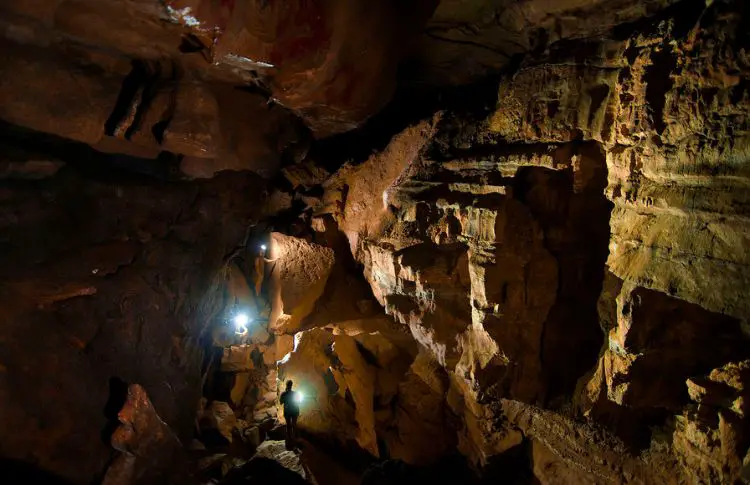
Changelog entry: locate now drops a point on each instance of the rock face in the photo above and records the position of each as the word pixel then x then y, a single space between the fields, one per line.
pixel 299 274
pixel 164 73
pixel 463 41
pixel 149 450
pixel 551 281
pixel 312 51
pixel 107 278
pixel 564 252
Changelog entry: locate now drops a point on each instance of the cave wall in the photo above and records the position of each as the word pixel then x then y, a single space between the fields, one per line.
pixel 107 278
pixel 579 252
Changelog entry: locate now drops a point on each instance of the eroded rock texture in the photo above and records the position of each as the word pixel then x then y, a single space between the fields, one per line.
pixel 548 283
pixel 148 449
pixel 595 219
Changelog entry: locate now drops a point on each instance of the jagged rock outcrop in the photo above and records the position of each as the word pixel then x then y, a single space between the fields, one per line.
pixel 149 450
pixel 551 281
pixel 464 41
pixel 712 435
pixel 144 109
pixel 564 250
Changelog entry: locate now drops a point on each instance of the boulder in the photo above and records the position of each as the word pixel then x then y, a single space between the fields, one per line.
pixel 252 436
pixel 237 358
pixel 272 463
pixel 717 426
pixel 219 417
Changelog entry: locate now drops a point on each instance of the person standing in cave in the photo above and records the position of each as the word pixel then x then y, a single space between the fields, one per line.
pixel 290 400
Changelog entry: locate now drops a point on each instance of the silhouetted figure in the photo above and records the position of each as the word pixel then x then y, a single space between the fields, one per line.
pixel 290 400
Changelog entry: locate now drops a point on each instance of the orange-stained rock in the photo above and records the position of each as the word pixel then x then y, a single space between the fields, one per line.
pixel 305 175
pixel 194 129
pixel 65 99
pixel 710 439
pixel 299 272
pixel 281 346
pixel 648 358
pixel 149 449
pixel 346 382
pixel 583 241
pixel 422 430
pixel 311 53
pixel 237 358
pixel 357 196
pixel 553 277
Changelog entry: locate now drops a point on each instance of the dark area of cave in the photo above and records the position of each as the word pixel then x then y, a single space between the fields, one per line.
pixel 490 242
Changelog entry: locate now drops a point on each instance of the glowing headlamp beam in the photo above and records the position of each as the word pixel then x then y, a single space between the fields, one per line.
pixel 240 321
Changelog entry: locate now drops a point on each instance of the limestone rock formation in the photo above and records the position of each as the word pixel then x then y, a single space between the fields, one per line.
pixel 298 277
pixel 219 416
pixel 371 389
pixel 463 41
pixel 531 267
pixel 711 436
pixel 582 201
pixel 149 449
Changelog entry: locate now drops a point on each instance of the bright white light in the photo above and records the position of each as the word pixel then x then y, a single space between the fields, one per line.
pixel 263 247
pixel 241 320
pixel 299 397
pixel 245 62
pixel 284 359
pixel 184 15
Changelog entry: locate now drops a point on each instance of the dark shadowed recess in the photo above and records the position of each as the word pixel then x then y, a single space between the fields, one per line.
pixel 18 143
pixel 576 227
pixel 676 340
pixel 20 473
pixel 514 467
pixel 409 105
pixel 118 394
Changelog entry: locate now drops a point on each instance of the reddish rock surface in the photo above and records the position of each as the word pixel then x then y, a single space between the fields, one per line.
pixel 105 280
pixel 149 449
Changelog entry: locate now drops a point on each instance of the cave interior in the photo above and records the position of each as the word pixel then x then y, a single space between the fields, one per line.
pixel 490 241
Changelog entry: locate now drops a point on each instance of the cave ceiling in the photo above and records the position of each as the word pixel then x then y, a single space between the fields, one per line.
pixel 246 85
